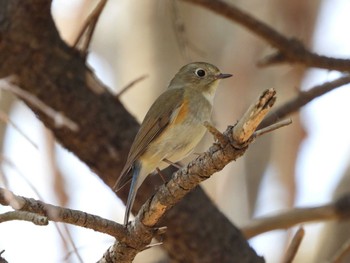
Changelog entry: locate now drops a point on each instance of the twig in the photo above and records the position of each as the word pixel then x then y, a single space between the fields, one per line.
pixel 25 216
pixel 290 49
pixel 222 139
pixel 130 85
pixel 71 241
pixel 181 36
pixel 341 253
pixel 272 127
pixel 5 118
pixel 85 35
pixel 63 215
pixel 294 246
pixel 340 209
pixel 35 190
pixel 59 119
pixel 2 260
pixel 302 99
pixel 141 230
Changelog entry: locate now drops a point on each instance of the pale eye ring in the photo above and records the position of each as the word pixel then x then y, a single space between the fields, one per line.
pixel 200 72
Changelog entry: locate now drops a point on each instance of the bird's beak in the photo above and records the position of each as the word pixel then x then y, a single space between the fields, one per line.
pixel 223 76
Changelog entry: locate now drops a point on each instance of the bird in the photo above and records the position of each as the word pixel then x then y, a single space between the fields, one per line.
pixel 172 127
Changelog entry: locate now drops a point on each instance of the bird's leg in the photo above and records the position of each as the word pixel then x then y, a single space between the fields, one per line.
pixel 160 174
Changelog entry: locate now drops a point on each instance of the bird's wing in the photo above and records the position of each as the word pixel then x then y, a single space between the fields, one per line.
pixel 156 120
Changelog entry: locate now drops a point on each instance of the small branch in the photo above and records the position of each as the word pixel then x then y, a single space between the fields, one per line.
pixel 63 215
pixel 247 125
pixel 85 35
pixel 302 99
pixel 130 85
pixel 222 139
pixel 272 127
pixel 294 246
pixel 5 118
pixel 2 260
pixel 141 230
pixel 340 255
pixel 181 36
pixel 25 216
pixel 340 209
pixel 289 49
pixel 59 119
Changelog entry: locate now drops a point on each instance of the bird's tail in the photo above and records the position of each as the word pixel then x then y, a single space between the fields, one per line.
pixel 133 190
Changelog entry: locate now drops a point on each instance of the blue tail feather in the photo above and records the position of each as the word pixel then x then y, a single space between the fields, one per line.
pixel 133 190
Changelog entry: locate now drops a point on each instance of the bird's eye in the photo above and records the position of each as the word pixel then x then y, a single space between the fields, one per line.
pixel 200 72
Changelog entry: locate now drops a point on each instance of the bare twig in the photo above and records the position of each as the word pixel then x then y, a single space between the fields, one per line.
pixel 59 119
pixel 63 215
pixel 290 49
pixel 222 139
pixel 273 127
pixel 302 99
pixel 340 209
pixel 341 253
pixel 5 118
pixel 2 260
pixel 130 85
pixel 71 241
pixel 6 160
pixel 141 231
pixel 181 36
pixel 85 35
pixel 24 216
pixel 294 246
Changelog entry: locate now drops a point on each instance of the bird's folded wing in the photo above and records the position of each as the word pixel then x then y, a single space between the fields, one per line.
pixel 163 111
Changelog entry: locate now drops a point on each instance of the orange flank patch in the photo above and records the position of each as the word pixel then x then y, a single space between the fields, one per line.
pixel 181 115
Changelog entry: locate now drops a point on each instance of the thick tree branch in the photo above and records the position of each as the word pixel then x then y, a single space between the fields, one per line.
pixel 290 50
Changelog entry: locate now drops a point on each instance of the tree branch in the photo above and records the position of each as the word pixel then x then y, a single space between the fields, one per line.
pixel 303 98
pixel 141 231
pixel 85 35
pixel 31 49
pixel 25 216
pixel 290 50
pixel 340 209
pixel 294 246
pixel 63 215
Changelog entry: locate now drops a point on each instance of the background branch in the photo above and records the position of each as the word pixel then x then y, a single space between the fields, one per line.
pixel 294 246
pixel 303 98
pixel 340 209
pixel 290 50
